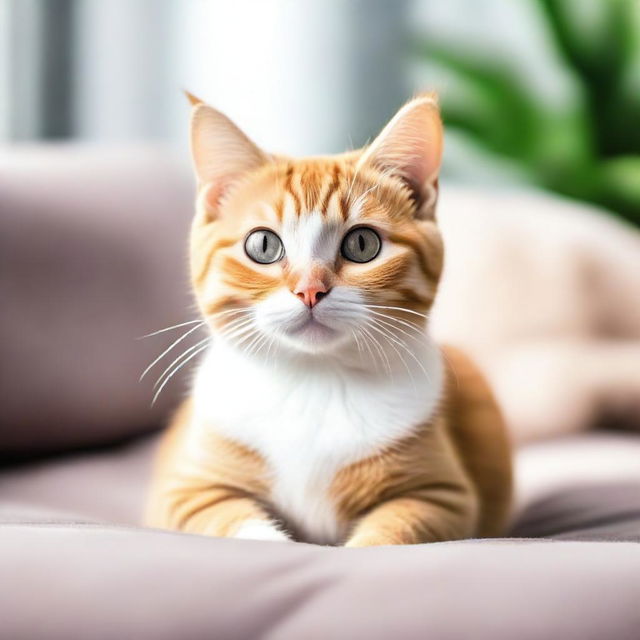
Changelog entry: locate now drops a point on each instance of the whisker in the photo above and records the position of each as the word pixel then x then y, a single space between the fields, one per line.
pixel 234 326
pixel 377 361
pixel 378 306
pixel 175 326
pixel 402 345
pixel 228 311
pixel 418 329
pixel 357 341
pixel 406 366
pixel 193 355
pixel 171 346
pixel 182 355
pixel 271 343
pixel 260 346
pixel 242 332
pixel 359 201
pixel 368 346
pixel 394 328
pixel 380 350
pixel 353 180
pixel 253 344
pixel 247 334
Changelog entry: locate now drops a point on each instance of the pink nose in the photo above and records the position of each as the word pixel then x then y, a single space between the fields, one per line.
pixel 312 294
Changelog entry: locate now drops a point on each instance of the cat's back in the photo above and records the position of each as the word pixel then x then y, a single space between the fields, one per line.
pixel 479 435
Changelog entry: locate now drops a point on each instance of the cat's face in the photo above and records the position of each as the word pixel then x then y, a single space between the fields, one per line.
pixel 320 255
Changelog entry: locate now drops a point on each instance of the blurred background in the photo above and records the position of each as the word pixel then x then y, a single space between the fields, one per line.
pixel 541 92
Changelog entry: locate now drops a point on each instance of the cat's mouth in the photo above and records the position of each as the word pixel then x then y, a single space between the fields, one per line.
pixel 318 329
pixel 311 327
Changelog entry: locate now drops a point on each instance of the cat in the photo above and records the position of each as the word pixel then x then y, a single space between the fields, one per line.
pixel 322 410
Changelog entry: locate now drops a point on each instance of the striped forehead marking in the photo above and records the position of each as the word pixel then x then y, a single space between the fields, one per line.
pixel 310 189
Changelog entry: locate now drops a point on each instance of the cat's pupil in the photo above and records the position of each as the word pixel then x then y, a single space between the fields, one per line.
pixel 361 242
pixel 264 243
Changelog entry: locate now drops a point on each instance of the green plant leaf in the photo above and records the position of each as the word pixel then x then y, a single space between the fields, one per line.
pixel 620 185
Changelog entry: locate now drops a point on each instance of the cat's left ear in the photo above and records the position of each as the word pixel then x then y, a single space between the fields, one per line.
pixel 222 154
pixel 410 147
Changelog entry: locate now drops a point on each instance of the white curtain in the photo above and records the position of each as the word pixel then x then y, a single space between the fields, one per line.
pixel 302 76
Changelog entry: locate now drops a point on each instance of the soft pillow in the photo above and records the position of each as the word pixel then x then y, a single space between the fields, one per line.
pixel 92 255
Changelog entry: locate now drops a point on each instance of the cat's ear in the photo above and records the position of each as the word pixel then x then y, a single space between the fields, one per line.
pixel 410 147
pixel 221 152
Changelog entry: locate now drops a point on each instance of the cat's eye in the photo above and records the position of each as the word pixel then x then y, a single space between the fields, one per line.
pixel 361 244
pixel 263 246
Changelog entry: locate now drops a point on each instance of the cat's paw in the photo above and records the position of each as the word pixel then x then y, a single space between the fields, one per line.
pixel 369 540
pixel 261 530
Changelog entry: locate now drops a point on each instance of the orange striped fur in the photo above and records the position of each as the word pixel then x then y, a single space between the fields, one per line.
pixel 344 342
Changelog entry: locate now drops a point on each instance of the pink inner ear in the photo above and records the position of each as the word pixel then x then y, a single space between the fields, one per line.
pixel 422 150
pixel 215 191
pixel 411 144
pixel 423 165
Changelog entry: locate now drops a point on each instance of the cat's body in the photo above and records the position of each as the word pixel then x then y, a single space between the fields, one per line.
pixel 317 450
pixel 323 411
pixel 311 420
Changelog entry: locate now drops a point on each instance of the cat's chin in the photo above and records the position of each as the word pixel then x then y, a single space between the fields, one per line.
pixel 312 330
pixel 313 337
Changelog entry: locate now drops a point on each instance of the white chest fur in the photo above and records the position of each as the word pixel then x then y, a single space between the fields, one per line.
pixel 307 423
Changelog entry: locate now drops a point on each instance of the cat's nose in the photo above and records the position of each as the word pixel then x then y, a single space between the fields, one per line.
pixel 311 294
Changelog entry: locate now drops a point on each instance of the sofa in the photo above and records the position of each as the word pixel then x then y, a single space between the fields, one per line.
pixel 92 257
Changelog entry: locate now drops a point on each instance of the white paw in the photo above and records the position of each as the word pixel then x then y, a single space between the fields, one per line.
pixel 260 530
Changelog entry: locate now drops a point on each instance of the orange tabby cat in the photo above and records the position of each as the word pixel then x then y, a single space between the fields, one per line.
pixel 323 411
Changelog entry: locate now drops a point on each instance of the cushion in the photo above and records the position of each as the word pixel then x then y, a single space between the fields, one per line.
pixel 92 256
pixel 101 486
pixel 72 523
pixel 555 496
pixel 86 581
pixel 579 487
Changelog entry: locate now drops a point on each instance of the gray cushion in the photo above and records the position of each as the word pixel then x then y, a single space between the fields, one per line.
pixel 99 582
pixel 73 573
pixel 608 511
pixel 101 486
pixel 92 255
pixel 109 486
pixel 581 487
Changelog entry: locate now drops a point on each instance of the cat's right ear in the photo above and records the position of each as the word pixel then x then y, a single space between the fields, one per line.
pixel 410 147
pixel 221 153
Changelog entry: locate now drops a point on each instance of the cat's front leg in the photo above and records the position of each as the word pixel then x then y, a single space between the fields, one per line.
pixel 414 520
pixel 214 511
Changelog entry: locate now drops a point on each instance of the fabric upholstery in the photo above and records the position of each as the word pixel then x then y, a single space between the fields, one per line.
pixel 92 256
pixel 109 582
pixel 101 486
pixel 109 486
pixel 579 487
pixel 78 565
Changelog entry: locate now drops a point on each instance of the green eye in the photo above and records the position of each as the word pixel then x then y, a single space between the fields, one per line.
pixel 361 244
pixel 264 246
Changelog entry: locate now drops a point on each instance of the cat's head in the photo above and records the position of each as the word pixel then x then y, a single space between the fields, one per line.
pixel 322 255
